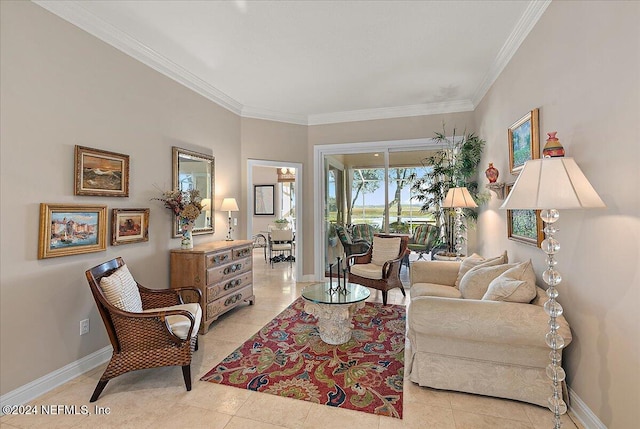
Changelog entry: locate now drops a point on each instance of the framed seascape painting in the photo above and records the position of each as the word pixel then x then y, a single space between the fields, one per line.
pixel 524 141
pixel 129 226
pixel 101 173
pixel 69 229
pixel 263 199
pixel 524 226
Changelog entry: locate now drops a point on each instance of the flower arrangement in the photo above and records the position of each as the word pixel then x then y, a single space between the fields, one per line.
pixel 186 205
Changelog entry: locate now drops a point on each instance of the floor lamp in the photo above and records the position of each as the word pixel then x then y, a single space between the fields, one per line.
pixel 229 205
pixel 459 198
pixel 550 184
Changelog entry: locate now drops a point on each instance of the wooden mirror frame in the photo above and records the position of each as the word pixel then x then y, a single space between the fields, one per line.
pixel 206 216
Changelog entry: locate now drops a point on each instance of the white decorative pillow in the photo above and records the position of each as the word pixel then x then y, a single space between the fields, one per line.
pixel 121 290
pixel 517 284
pixel 475 282
pixel 385 249
pixel 474 260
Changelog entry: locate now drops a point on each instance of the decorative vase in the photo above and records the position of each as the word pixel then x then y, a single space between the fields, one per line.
pixel 187 234
pixel 553 148
pixel 492 173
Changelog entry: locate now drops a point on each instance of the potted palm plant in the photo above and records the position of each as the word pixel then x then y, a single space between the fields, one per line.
pixel 454 165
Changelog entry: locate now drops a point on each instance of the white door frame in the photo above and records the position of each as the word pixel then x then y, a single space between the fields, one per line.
pixel 299 209
pixel 319 152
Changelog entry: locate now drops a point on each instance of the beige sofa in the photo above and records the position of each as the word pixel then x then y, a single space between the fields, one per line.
pixel 492 348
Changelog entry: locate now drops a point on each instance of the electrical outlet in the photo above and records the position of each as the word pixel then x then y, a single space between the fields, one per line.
pixel 84 326
pixel 235 221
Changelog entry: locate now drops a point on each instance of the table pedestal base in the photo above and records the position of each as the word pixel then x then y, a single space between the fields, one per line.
pixel 334 320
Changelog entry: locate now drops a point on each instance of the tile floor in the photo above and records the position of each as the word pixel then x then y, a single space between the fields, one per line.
pixel 157 398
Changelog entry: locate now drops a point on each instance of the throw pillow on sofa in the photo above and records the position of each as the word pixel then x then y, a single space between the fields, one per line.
pixel 474 260
pixel 517 284
pixel 475 282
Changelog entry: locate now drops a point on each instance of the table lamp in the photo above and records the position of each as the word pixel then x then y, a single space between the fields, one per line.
pixel 549 184
pixel 229 205
pixel 459 198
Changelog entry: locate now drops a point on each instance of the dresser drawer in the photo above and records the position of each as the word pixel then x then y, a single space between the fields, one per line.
pixel 217 259
pixel 223 272
pixel 242 252
pixel 228 286
pixel 221 305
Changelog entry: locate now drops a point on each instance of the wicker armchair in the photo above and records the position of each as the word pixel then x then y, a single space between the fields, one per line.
pixel 424 239
pixel 351 246
pixel 384 276
pixel 145 340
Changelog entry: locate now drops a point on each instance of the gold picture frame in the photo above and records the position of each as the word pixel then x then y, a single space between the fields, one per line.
pixel 129 226
pixel 525 225
pixel 70 229
pixel 100 173
pixel 524 141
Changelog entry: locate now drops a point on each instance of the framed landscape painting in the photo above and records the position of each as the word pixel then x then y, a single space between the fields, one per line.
pixel 101 173
pixel 524 141
pixel 129 226
pixel 69 229
pixel 524 226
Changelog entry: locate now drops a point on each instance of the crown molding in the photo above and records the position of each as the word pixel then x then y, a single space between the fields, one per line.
pixel 73 12
pixel 270 115
pixel 391 112
pixel 527 21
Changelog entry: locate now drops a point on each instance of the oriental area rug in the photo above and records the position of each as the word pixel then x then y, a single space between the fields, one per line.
pixel 288 358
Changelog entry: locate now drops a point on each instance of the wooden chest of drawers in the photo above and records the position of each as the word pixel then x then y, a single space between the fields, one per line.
pixel 222 270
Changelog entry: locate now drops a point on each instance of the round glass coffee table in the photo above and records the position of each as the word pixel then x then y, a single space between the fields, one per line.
pixel 334 309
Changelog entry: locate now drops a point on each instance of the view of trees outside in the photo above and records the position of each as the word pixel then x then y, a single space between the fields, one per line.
pixel 368 199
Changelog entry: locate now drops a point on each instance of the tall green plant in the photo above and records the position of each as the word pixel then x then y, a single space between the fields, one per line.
pixel 455 165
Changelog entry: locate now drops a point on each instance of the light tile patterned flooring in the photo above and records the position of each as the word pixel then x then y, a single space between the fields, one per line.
pixel 157 398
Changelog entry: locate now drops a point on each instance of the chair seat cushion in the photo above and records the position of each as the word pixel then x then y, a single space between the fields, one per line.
pixel 368 271
pixel 281 246
pixel 432 289
pixel 180 325
pixel 121 290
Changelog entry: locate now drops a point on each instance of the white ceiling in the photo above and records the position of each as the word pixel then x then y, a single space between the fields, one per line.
pixel 313 62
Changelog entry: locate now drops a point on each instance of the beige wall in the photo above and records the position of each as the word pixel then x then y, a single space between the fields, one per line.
pixel 580 67
pixel 265 176
pixel 61 87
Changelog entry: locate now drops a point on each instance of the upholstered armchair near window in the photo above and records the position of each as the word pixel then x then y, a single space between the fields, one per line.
pixel 351 246
pixel 148 328
pixel 379 268
pixel 424 239
pixel 363 231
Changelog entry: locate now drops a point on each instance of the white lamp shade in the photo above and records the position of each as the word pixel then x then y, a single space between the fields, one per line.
pixel 206 204
pixel 459 197
pixel 552 183
pixel 229 205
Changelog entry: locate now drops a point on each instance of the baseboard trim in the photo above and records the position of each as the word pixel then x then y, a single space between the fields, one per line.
pixel 583 413
pixel 48 382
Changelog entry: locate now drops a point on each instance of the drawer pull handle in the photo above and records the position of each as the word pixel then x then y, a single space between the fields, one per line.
pixel 220 258
pixel 232 299
pixel 232 284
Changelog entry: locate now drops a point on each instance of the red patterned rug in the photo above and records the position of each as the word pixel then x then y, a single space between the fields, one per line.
pixel 288 358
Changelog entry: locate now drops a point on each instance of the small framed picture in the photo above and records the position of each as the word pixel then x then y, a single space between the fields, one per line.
pixel 129 226
pixel 101 173
pixel 524 226
pixel 524 141
pixel 263 200
pixel 69 229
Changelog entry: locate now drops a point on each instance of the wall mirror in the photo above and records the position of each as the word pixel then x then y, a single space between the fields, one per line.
pixel 193 170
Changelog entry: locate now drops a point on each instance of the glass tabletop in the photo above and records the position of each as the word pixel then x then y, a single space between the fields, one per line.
pixel 320 293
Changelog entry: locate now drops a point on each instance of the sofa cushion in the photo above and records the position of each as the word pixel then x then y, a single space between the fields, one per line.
pixel 368 271
pixel 385 249
pixel 475 282
pixel 517 284
pixel 475 259
pixel 121 290
pixel 180 325
pixel 431 289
